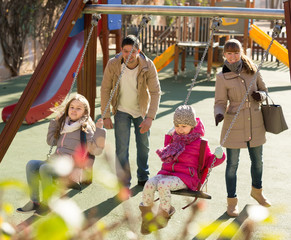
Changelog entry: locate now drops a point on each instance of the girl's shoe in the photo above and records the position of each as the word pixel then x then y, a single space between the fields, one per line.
pixel 163 217
pixel 42 210
pixel 28 207
pixel 147 218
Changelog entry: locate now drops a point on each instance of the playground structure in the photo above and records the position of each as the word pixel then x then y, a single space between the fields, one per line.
pixel 60 79
pixel 229 27
pixel 87 80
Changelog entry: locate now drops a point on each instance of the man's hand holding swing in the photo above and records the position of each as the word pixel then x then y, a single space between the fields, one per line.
pixel 108 123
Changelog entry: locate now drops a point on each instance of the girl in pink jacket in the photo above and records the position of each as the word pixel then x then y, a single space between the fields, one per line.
pixel 180 157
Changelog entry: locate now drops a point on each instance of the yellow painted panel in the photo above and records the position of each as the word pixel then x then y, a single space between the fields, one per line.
pixel 165 58
pixel 264 40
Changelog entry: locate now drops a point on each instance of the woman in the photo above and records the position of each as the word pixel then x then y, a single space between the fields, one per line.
pixel 248 130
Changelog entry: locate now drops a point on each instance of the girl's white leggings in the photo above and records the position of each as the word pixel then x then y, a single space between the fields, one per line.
pixel 164 184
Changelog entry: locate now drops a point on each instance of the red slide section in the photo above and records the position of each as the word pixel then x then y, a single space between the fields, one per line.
pixel 57 84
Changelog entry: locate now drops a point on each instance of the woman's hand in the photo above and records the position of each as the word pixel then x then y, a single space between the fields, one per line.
pixel 257 96
pixel 218 118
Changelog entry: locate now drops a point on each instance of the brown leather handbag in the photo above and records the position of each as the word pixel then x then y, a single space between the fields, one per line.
pixel 273 116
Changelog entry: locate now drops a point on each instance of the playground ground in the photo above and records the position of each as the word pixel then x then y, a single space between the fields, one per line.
pixel 30 143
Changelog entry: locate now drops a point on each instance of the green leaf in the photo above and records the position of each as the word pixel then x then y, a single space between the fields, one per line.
pixel 12 183
pixel 52 227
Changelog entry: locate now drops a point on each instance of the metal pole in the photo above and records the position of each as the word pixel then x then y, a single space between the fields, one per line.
pixel 255 13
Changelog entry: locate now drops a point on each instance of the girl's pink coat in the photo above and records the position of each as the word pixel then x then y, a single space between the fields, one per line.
pixel 187 164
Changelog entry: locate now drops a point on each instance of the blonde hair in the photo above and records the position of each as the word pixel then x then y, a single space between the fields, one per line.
pixel 233 45
pixel 86 119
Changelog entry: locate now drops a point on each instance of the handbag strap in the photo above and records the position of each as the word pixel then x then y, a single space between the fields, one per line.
pixel 268 96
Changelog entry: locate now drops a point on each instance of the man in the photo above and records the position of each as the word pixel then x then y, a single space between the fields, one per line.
pixel 136 101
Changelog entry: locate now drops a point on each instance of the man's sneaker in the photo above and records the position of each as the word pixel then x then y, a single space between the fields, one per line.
pixel 28 207
pixel 141 183
pixel 42 210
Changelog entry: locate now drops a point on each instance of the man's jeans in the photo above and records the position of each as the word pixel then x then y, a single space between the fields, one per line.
pixel 38 171
pixel 122 124
pixel 256 156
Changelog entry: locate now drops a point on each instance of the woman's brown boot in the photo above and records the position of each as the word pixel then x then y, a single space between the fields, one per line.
pixel 147 218
pixel 232 207
pixel 258 195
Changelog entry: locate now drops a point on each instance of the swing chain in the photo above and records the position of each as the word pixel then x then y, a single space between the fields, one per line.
pixel 95 19
pixel 145 20
pixel 94 22
pixel 143 23
pixel 277 29
pixel 208 173
pixel 48 156
pixel 215 23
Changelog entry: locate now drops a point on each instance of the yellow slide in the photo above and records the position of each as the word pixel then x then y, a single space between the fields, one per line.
pixel 165 58
pixel 263 39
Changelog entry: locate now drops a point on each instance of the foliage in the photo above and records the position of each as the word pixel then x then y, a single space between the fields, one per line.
pixel 45 19
pixel 14 18
pixel 170 20
pixel 21 19
pixel 131 19
pixel 68 222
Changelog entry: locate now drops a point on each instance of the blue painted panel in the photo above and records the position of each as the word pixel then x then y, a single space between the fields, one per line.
pixel 114 20
pixel 114 1
pixel 78 27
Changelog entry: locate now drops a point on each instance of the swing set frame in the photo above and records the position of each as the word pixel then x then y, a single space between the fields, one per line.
pixel 87 80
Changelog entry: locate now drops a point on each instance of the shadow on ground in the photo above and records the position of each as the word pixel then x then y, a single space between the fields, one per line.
pixel 107 206
pixel 214 226
pixel 71 193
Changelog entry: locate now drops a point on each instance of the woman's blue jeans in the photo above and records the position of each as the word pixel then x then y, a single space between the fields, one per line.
pixel 256 156
pixel 37 172
pixel 122 125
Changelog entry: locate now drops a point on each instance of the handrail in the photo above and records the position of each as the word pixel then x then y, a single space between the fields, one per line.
pixel 246 13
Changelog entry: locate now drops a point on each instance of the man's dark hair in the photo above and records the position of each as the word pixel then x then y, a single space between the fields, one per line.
pixel 130 40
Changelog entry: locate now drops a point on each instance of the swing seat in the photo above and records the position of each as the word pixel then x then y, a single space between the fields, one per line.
pixel 202 175
pixel 190 193
pixel 198 193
